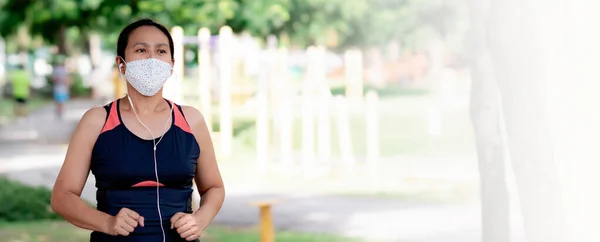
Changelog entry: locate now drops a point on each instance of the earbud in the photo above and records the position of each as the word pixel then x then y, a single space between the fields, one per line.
pixel 121 63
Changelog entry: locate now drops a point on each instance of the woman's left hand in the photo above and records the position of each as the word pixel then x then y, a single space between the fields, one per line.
pixel 187 226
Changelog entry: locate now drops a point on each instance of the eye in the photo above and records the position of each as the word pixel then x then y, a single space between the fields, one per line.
pixel 162 51
pixel 140 50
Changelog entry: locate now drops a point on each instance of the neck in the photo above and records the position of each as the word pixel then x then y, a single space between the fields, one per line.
pixel 145 105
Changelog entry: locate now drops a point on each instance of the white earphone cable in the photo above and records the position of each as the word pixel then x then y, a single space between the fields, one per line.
pixel 155 144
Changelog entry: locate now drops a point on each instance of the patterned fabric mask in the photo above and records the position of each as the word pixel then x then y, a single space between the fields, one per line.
pixel 147 76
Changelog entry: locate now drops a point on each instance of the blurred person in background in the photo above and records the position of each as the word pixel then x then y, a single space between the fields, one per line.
pixel 20 83
pixel 61 83
pixel 145 153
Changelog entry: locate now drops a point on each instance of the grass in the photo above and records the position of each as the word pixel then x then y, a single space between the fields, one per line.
pixel 21 202
pixel 46 231
pixel 403 121
pixel 403 118
pixel 440 168
pixel 403 130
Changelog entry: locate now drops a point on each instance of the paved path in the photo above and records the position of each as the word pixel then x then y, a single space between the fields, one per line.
pixel 37 162
pixel 43 127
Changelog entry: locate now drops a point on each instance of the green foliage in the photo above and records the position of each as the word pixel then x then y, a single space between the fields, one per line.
pixel 67 23
pixel 310 20
pixel 13 13
pixel 259 17
pixel 77 88
pixel 24 203
pixel 412 22
pixel 189 14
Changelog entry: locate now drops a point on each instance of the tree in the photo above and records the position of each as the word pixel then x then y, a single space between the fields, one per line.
pixel 12 15
pixel 411 22
pixel 486 119
pixel 310 20
pixel 505 35
pixel 259 17
pixel 52 19
pixel 357 23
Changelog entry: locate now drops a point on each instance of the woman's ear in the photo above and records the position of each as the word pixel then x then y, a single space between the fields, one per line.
pixel 122 68
pixel 120 65
pixel 172 65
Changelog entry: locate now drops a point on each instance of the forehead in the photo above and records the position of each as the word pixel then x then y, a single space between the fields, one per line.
pixel 147 34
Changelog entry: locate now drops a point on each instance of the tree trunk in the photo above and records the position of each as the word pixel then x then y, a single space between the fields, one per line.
pixel 506 28
pixel 515 53
pixel 85 42
pixel 485 116
pixel 61 40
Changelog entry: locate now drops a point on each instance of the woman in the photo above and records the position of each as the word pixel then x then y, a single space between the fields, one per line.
pixel 144 152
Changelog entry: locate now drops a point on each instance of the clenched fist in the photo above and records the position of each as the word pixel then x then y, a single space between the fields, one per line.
pixel 187 226
pixel 124 222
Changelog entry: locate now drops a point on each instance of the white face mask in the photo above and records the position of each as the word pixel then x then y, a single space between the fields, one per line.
pixel 147 76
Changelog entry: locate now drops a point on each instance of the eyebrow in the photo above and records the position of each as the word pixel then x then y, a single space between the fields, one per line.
pixel 146 44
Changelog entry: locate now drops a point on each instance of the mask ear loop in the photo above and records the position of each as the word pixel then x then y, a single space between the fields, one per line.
pixel 154 145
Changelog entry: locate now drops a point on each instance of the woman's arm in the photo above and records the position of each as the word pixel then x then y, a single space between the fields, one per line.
pixel 208 177
pixel 66 199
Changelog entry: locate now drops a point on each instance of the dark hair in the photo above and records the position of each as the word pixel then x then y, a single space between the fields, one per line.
pixel 124 35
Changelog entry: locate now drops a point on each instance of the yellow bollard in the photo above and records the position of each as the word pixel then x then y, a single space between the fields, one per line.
pixel 267 230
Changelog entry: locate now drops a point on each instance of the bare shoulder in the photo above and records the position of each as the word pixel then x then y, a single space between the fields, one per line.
pixel 92 120
pixel 194 117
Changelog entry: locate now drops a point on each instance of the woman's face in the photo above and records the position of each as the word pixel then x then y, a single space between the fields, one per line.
pixel 147 42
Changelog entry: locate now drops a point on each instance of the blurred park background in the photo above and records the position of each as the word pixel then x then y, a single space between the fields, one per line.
pixel 351 116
